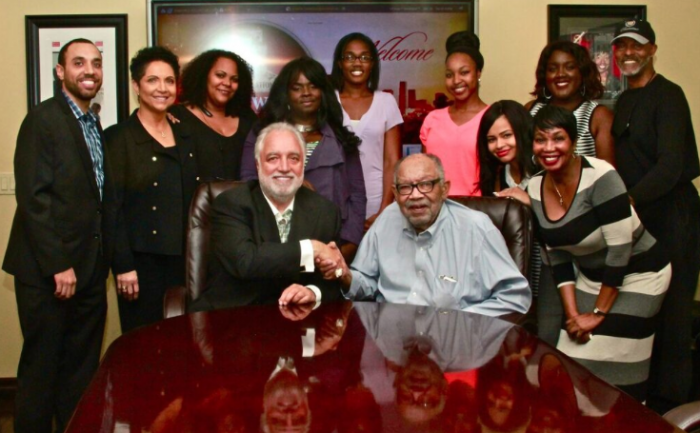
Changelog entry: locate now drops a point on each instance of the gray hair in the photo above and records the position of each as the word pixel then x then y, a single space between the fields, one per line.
pixel 279 126
pixel 434 158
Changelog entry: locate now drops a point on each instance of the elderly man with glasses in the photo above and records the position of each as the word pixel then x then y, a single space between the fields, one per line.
pixel 427 250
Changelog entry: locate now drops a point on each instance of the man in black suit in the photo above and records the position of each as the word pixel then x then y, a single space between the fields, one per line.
pixel 61 243
pixel 261 254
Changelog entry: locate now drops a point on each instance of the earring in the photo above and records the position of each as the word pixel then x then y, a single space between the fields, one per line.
pixel 583 90
pixel 544 93
pixel 534 161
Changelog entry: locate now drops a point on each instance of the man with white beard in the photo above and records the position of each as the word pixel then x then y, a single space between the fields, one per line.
pixel 267 234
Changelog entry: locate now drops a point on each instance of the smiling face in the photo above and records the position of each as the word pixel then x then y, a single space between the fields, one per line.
pixel 461 76
pixel 553 148
pixel 501 140
pixel 280 167
pixel 632 57
pixel 562 76
pixel 82 73
pixel 421 209
pixel 602 61
pixel 157 87
pixel 304 98
pixel 222 82
pixel 355 71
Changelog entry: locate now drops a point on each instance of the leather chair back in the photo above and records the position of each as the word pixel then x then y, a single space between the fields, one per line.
pixel 199 234
pixel 513 219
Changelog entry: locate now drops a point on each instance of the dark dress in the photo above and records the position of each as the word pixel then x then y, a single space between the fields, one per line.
pixel 218 156
pixel 155 185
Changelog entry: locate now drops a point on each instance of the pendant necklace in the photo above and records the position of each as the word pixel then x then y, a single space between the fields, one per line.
pixel 304 128
pixel 561 199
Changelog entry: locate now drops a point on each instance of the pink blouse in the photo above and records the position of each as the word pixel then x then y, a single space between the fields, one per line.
pixel 456 147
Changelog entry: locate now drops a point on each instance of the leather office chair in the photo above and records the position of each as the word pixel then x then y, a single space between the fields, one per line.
pixel 513 219
pixel 686 417
pixel 197 248
pixel 510 216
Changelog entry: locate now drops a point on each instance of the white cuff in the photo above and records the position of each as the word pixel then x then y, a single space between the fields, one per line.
pixel 308 343
pixel 317 292
pixel 307 256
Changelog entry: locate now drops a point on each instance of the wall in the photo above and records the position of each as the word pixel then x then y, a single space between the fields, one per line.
pixel 512 32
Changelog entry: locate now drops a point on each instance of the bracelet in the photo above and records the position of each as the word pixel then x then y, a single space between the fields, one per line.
pixel 599 312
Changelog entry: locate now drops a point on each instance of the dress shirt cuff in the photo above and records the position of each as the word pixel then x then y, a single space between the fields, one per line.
pixel 317 292
pixel 307 256
pixel 354 286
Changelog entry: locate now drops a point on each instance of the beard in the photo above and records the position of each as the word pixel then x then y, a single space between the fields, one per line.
pixel 83 94
pixel 641 64
pixel 280 193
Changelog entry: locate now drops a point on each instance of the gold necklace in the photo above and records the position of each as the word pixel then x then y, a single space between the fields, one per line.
pixel 561 198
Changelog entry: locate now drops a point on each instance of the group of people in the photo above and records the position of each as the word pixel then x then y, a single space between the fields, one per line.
pixel 330 212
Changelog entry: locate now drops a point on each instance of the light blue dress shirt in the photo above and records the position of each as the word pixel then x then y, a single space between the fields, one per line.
pixel 460 262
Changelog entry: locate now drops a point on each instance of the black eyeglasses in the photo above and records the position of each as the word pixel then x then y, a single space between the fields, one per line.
pixel 350 58
pixel 423 187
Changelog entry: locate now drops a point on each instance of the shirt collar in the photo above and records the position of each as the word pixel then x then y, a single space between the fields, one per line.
pixel 77 112
pixel 275 211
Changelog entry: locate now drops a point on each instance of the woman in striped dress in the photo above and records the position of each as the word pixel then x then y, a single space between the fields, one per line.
pixel 586 220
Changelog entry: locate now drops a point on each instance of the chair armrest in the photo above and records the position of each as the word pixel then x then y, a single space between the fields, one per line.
pixel 174 302
pixel 685 416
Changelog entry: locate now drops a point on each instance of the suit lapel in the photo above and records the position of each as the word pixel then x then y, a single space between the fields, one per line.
pixel 268 224
pixel 79 140
pixel 304 217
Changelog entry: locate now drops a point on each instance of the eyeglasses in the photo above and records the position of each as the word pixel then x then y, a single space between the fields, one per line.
pixel 350 58
pixel 423 187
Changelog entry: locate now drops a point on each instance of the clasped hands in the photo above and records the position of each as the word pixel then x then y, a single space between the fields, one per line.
pixel 580 327
pixel 329 261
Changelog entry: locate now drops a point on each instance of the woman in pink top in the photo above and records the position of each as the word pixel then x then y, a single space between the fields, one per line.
pixel 450 133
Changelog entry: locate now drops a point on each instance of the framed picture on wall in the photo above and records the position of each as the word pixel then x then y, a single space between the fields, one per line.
pixel 46 34
pixel 594 28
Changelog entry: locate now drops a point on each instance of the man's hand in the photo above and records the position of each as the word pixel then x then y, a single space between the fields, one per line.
pixel 297 294
pixel 336 269
pixel 65 284
pixel 295 312
pixel 128 285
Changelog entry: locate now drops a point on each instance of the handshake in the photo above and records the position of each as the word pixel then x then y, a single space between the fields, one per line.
pixel 330 262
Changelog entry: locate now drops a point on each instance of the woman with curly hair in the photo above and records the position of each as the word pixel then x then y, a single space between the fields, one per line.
pixel 303 96
pixel 217 87
pixel 568 78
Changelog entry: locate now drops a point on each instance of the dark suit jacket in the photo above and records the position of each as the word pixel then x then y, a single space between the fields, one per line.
pixel 60 220
pixel 152 200
pixel 249 264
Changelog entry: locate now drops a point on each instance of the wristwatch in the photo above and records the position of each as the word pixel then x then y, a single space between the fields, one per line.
pixel 599 312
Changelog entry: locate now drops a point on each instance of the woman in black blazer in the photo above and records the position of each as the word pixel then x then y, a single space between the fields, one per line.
pixel 156 174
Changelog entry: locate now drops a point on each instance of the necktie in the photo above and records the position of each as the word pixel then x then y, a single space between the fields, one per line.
pixel 283 225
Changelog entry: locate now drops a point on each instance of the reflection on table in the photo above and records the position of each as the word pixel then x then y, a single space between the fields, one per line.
pixel 345 367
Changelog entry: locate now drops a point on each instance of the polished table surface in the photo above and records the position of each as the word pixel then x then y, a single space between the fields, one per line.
pixel 345 367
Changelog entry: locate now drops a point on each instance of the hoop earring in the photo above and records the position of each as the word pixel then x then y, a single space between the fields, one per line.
pixel 544 93
pixel 583 90
pixel 534 161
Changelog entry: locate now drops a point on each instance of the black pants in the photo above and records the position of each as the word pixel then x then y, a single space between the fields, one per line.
pixel 676 225
pixel 156 273
pixel 60 354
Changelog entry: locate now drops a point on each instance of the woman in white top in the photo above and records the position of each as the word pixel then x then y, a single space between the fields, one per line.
pixel 373 115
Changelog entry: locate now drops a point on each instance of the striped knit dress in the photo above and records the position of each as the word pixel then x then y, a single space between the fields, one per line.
pixel 602 235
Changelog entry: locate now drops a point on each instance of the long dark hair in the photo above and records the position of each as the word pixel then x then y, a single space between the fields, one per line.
pixel 196 75
pixel 337 72
pixel 521 125
pixel 277 107
pixel 590 77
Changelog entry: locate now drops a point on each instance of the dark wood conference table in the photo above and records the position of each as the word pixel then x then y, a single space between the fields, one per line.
pixel 348 367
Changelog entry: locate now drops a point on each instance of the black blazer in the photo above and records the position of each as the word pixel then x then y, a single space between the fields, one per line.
pixel 249 264
pixel 155 219
pixel 60 221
